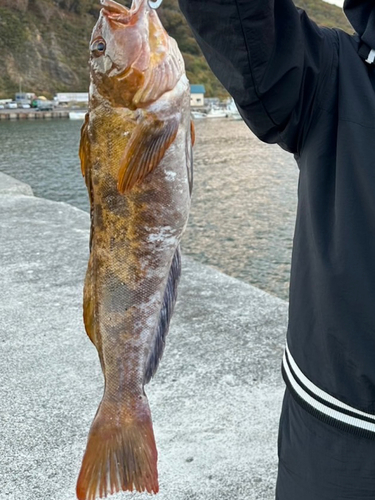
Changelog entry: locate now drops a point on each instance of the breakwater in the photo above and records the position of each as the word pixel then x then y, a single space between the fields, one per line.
pixel 26 114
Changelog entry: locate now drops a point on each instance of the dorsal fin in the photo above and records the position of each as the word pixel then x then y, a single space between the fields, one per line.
pixel 170 296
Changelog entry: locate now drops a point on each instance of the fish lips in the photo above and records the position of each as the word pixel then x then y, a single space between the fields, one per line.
pixel 113 11
pixel 114 7
pixel 121 14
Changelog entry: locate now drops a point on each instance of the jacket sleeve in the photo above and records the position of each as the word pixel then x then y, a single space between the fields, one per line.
pixel 274 61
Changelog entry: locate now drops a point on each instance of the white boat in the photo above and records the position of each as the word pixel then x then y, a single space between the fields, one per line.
pixel 217 113
pixel 198 115
pixel 77 115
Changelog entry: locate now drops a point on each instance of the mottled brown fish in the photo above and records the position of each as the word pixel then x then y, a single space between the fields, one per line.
pixel 136 158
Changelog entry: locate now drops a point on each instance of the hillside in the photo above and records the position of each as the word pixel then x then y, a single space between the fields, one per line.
pixel 45 43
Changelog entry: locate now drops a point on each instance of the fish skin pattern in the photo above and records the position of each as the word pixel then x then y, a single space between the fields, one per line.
pixel 136 157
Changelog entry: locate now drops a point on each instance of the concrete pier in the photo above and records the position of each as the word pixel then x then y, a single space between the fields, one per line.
pixel 215 399
pixel 30 114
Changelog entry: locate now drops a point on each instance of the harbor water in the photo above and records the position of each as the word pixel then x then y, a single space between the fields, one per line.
pixel 244 197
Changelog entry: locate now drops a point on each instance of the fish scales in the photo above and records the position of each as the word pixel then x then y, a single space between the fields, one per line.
pixel 136 158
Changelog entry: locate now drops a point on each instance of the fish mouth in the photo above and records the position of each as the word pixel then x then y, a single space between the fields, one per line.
pixel 113 7
pixel 115 11
pixel 118 12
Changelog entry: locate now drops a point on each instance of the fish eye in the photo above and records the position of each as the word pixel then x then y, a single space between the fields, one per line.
pixel 98 47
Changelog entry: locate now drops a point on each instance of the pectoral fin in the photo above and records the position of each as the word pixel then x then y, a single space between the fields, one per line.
pixel 84 146
pixel 146 148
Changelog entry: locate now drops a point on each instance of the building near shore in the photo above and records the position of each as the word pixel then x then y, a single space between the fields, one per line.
pixel 24 97
pixel 197 93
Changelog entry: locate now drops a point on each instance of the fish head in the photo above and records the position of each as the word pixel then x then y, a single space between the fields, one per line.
pixel 132 58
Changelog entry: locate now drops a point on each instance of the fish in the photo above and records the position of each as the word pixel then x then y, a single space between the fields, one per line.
pixel 136 159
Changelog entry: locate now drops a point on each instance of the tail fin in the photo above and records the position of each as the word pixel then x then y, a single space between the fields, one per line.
pixel 120 455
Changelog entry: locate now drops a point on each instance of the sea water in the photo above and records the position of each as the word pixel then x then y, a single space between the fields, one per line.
pixel 244 195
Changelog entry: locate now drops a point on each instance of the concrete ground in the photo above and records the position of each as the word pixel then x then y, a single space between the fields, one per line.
pixel 215 399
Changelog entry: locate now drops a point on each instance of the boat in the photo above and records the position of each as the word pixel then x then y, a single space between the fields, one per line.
pixel 217 113
pixel 77 115
pixel 198 115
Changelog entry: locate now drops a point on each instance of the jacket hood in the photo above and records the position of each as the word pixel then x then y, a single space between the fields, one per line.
pixel 361 15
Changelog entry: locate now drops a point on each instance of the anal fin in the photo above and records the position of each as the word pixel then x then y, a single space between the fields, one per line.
pixel 170 296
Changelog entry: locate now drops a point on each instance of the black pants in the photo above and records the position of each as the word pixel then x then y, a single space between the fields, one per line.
pixel 319 462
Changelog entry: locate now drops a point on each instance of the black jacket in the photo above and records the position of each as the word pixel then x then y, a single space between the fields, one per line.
pixel 309 90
